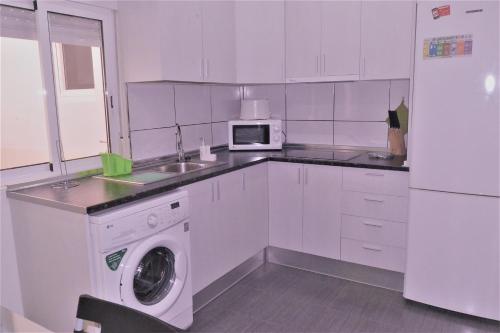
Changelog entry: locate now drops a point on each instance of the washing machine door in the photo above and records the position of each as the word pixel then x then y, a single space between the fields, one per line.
pixel 154 275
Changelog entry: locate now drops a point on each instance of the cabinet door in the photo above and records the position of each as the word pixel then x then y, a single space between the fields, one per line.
pixel 219 43
pixel 303 38
pixel 256 210
pixel 321 216
pixel 285 205
pixel 203 232
pixel 181 41
pixel 260 48
pixel 340 33
pixel 386 39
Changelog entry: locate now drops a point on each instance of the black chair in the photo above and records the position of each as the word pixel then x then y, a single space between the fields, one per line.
pixel 116 318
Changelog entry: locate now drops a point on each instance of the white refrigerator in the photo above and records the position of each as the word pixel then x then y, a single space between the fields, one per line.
pixel 453 256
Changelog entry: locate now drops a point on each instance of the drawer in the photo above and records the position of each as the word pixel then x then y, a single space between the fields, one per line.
pixel 372 230
pixel 375 181
pixel 372 254
pixel 376 206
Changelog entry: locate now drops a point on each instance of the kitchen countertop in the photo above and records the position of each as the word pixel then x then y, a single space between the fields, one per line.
pixel 94 195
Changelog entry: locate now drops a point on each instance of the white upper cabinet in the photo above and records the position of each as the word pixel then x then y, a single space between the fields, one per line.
pixel 303 39
pixel 181 43
pixel 260 41
pixel 387 36
pixel 340 30
pixel 177 40
pixel 219 41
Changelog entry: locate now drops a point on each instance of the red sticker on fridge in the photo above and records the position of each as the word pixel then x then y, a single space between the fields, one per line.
pixel 438 12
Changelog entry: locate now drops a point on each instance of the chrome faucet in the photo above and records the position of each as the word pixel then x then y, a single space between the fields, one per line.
pixel 179 146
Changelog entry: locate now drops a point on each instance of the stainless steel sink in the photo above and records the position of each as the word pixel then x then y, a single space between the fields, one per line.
pixel 185 167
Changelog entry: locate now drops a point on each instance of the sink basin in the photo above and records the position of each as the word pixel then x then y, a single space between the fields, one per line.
pixel 184 167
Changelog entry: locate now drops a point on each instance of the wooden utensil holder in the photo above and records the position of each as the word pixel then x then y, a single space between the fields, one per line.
pixel 397 142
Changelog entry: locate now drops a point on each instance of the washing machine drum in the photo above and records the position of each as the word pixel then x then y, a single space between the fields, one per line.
pixel 154 275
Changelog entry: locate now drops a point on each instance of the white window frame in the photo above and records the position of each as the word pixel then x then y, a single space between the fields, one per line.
pixel 106 16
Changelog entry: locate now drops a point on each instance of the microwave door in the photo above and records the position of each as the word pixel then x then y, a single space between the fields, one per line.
pixel 253 135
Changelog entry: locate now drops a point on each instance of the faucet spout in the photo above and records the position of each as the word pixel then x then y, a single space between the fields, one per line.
pixel 179 146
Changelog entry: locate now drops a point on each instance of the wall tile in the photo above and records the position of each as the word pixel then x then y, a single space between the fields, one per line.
pixel 226 102
pixel 365 134
pixel 275 93
pixel 309 132
pixel 309 101
pixel 361 100
pixel 399 89
pixel 192 104
pixel 152 143
pixel 191 136
pixel 219 134
pixel 150 105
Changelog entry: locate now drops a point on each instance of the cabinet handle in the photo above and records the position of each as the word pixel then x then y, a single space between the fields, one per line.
pixel 373 224
pixel 306 176
pixel 213 193
pixel 218 190
pixel 372 248
pixel 324 64
pixel 244 182
pixel 374 174
pixel 202 67
pixel 364 66
pixel 298 175
pixel 317 64
pixel 206 68
pixel 374 200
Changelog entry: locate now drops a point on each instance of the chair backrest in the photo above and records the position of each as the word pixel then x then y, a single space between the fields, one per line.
pixel 116 318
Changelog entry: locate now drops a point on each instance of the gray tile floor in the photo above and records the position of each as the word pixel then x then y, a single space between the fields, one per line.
pixel 280 299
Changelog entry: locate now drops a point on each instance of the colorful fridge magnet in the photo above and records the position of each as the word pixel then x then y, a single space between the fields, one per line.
pixel 447 47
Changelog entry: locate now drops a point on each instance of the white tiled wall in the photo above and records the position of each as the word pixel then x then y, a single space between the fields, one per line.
pixel 341 113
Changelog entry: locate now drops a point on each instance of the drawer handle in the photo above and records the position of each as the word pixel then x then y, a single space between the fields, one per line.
pixel 374 200
pixel 373 224
pixel 374 174
pixel 372 248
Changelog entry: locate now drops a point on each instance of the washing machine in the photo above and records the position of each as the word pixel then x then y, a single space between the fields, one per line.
pixel 141 257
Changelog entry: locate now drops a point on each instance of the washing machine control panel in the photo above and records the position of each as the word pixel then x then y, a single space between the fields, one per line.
pixel 130 227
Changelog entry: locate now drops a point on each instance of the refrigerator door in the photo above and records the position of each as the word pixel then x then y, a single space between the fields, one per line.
pixel 453 253
pixel 455 124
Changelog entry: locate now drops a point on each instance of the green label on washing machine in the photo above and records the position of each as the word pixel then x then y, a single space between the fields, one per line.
pixel 113 260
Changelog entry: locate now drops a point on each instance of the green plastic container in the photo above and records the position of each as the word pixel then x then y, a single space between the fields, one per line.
pixel 115 165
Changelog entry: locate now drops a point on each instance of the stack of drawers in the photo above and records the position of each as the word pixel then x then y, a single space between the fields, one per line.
pixel 374 216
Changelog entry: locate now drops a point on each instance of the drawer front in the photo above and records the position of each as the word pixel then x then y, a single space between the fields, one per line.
pixel 372 254
pixel 375 181
pixel 376 206
pixel 372 230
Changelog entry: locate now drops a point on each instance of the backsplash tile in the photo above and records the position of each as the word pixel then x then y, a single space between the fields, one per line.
pixel 275 93
pixel 361 100
pixel 152 143
pixel 151 105
pixel 309 101
pixel 219 133
pixel 191 136
pixel 399 90
pixel 360 133
pixel 192 104
pixel 309 132
pixel 226 102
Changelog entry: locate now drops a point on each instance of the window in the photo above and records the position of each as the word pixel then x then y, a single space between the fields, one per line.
pixel 57 87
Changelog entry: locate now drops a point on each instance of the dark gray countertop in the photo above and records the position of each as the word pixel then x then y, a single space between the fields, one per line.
pixel 93 195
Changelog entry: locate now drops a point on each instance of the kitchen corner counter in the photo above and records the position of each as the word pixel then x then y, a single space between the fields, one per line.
pixel 94 195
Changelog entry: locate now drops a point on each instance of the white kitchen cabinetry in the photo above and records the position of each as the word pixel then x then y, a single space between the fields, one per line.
pixel 228 222
pixel 387 36
pixel 304 208
pixel 322 40
pixel 260 41
pixel 285 205
pixel 176 40
pixel 374 216
pixel 321 210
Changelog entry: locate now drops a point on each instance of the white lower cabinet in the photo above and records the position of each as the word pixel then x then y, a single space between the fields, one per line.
pixel 228 222
pixel 304 208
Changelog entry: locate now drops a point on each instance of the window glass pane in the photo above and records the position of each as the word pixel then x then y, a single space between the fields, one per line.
pixel 23 119
pixel 79 83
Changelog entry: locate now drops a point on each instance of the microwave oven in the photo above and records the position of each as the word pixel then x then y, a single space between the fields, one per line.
pixel 262 134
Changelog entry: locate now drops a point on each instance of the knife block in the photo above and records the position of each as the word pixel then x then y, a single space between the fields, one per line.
pixel 396 142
